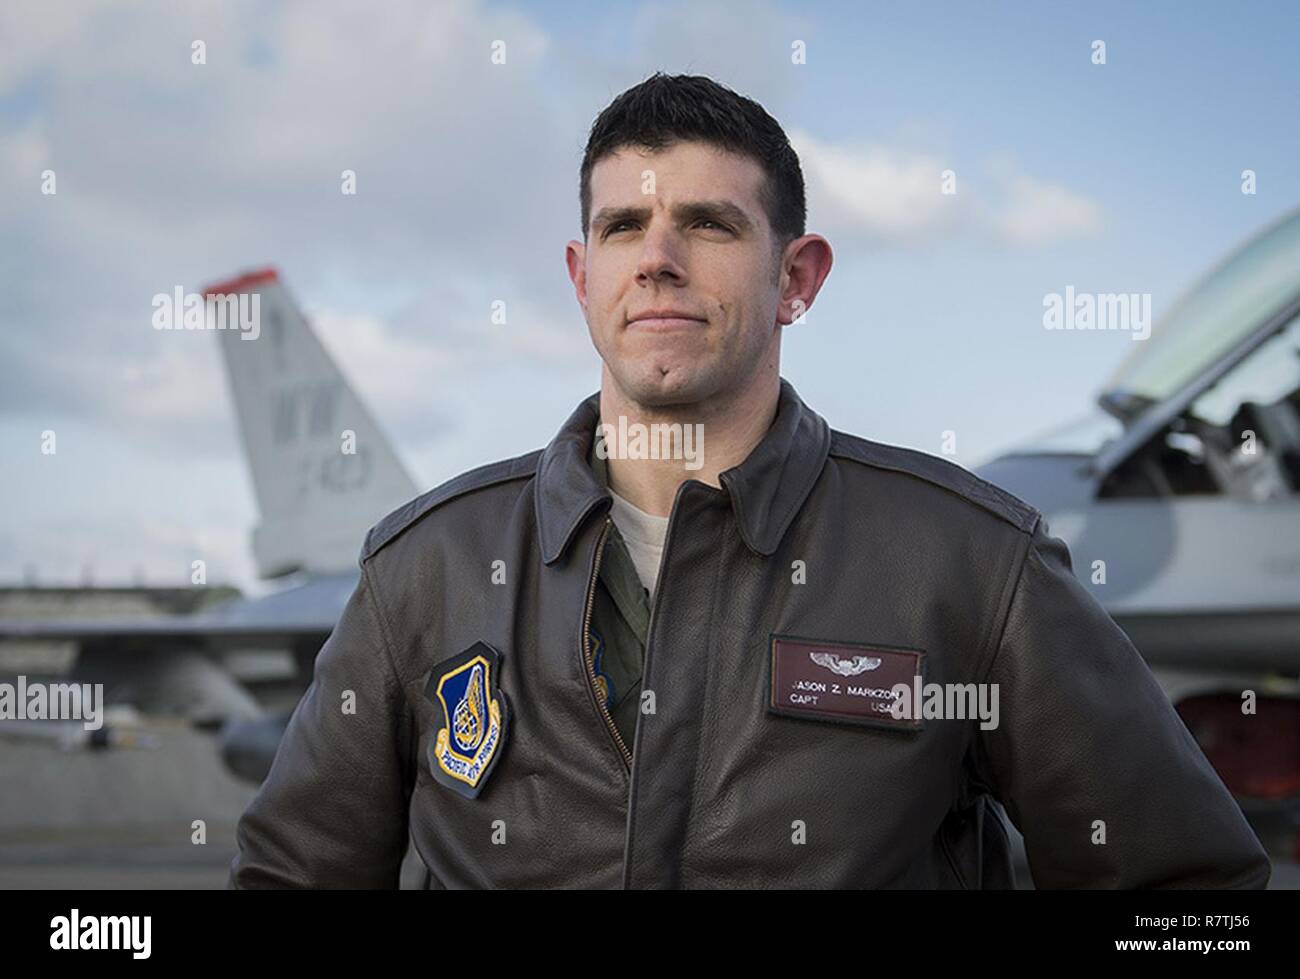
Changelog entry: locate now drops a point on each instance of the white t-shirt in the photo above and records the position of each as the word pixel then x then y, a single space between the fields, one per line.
pixel 644 535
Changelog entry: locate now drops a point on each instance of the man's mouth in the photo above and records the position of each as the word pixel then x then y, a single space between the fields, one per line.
pixel 662 320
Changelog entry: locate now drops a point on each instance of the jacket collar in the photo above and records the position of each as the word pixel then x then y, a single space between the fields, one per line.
pixel 766 490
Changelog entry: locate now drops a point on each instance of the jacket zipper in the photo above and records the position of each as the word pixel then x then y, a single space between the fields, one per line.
pixel 587 655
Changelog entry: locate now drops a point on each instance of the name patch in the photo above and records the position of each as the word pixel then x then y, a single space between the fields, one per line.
pixel 850 683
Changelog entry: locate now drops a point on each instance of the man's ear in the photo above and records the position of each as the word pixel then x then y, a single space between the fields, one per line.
pixel 807 262
pixel 575 257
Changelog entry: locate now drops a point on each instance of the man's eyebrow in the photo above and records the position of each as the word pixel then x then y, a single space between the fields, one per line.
pixel 722 210
pixel 615 214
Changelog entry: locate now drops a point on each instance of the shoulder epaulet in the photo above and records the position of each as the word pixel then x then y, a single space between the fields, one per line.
pixel 938 471
pixel 520 467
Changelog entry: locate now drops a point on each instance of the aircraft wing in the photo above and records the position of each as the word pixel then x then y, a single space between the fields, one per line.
pixel 308 609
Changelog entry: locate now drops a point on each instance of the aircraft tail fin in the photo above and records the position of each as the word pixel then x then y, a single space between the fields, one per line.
pixel 322 470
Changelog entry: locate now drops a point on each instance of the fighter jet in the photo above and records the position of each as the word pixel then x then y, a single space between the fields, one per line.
pixel 1179 497
pixel 322 473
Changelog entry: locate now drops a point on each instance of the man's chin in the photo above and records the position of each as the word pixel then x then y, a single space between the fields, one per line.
pixel 666 386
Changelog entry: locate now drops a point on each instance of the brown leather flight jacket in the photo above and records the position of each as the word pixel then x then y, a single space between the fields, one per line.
pixel 822 561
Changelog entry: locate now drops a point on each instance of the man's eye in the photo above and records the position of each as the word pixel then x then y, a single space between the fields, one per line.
pixel 620 225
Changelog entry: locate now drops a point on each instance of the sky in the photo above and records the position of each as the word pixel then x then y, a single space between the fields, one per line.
pixel 1122 177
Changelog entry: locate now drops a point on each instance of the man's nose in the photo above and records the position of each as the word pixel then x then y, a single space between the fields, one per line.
pixel 661 255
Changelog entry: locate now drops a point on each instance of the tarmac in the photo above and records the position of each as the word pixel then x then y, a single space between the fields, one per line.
pixel 128 818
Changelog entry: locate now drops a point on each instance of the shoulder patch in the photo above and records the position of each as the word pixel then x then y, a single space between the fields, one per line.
pixel 520 467
pixel 940 472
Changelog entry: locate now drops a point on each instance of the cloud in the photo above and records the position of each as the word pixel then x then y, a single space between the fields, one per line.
pixel 1036 212
pixel 882 195
pixel 878 193
pixel 31 36
pixel 171 173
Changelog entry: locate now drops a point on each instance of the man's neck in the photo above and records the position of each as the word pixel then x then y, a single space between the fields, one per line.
pixel 730 429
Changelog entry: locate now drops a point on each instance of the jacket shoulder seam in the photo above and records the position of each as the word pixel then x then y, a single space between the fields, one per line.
pixel 938 472
pixel 992 646
pixel 492 474
pixel 1006 600
pixel 385 635
pixel 405 716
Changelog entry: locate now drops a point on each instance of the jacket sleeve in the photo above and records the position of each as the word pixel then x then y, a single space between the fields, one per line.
pixel 1087 743
pixel 333 810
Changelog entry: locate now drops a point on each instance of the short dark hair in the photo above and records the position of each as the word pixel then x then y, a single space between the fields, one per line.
pixel 665 109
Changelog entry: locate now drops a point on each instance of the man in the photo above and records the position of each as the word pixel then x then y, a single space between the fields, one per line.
pixel 603 665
